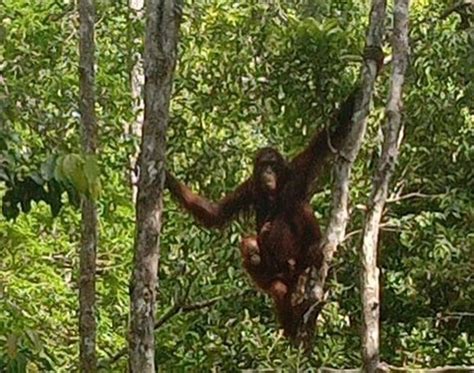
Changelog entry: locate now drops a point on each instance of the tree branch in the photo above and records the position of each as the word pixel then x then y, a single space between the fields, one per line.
pixel 310 291
pixel 412 195
pixel 456 8
pixel 393 132
pixel 384 367
pixel 173 311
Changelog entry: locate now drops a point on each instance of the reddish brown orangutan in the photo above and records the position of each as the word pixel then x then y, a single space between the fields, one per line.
pixel 278 191
pixel 288 235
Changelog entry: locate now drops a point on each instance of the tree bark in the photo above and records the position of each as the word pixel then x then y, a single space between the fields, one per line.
pixel 87 266
pixel 162 26
pixel 137 80
pixel 313 283
pixel 385 166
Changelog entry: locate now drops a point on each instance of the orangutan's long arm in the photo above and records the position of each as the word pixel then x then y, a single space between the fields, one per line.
pixel 211 214
pixel 308 164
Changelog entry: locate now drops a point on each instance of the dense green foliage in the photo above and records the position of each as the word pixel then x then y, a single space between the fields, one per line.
pixel 250 73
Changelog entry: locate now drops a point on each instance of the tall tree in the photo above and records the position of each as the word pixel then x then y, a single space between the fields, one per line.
pixel 384 170
pixel 87 321
pixel 161 39
pixel 335 232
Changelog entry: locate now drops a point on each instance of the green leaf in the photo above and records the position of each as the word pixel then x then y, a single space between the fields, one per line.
pixel 73 169
pixel 58 170
pixel 48 167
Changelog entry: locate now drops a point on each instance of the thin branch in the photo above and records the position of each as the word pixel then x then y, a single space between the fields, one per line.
pixel 385 226
pixel 384 367
pixel 456 8
pixel 173 311
pixel 167 316
pixel 184 308
pixel 200 305
pixel 457 314
pixel 413 195
pixel 107 363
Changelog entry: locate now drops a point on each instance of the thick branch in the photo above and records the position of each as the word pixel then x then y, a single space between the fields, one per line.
pixel 385 166
pixel 314 288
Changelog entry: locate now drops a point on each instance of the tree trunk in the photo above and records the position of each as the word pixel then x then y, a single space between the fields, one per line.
pixel 385 167
pixel 137 80
pixel 162 25
pixel 313 294
pixel 87 322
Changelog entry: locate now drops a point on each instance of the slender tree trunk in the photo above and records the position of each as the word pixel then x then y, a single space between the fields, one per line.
pixel 162 26
pixel 87 322
pixel 137 81
pixel 385 167
pixel 314 285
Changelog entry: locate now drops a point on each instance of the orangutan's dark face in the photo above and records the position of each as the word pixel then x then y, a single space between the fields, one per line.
pixel 269 168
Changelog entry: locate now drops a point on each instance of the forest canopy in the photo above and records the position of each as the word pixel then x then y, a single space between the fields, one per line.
pixel 249 74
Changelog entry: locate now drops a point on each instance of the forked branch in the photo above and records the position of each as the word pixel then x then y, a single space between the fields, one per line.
pixel 311 293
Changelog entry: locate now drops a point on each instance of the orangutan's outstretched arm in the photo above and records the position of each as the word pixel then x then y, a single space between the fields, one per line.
pixel 309 163
pixel 211 214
